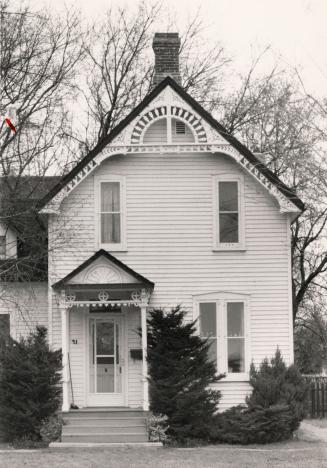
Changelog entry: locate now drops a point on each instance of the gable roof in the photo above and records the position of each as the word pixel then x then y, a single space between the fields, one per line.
pixel 168 81
pixel 103 253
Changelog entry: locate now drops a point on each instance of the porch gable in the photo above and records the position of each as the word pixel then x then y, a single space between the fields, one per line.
pixel 105 269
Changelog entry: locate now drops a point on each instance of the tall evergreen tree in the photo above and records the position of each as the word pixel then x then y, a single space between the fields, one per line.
pixel 180 374
pixel 29 385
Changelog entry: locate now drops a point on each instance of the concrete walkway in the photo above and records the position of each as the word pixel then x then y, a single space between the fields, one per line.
pixel 309 433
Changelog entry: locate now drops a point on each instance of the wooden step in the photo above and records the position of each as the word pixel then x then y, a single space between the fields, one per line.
pixel 92 437
pixel 95 414
pixel 117 422
pixel 71 430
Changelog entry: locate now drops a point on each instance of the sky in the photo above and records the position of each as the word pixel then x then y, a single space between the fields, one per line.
pixel 294 29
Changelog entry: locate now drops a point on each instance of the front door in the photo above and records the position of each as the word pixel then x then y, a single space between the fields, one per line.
pixel 106 362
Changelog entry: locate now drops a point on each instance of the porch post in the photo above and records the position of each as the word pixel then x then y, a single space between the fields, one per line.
pixel 144 361
pixel 64 348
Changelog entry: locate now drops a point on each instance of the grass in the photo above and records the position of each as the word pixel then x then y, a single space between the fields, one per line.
pixel 290 454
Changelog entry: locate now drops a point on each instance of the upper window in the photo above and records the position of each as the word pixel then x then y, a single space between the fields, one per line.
pixel 111 212
pixel 223 323
pixel 228 213
pixel 2 246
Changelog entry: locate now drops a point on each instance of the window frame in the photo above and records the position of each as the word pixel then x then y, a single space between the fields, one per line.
pixel 217 245
pixel 4 255
pixel 113 246
pixel 12 327
pixel 221 299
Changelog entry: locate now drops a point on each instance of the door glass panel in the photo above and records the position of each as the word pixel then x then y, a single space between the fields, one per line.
pixel 105 338
pixel 105 374
pixel 104 357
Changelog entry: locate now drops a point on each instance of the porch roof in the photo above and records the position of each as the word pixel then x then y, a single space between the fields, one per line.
pixel 135 279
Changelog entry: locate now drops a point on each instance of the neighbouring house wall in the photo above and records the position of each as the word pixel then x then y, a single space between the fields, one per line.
pixel 11 241
pixel 27 304
pixel 169 241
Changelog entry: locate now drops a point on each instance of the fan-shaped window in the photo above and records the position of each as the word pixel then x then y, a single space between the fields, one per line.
pixel 156 133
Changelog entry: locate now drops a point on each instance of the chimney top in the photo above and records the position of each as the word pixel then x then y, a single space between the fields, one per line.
pixel 166 49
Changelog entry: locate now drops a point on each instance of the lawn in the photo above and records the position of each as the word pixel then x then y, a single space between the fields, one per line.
pixel 291 454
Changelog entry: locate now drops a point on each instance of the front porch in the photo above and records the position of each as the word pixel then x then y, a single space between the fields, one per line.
pixel 103 308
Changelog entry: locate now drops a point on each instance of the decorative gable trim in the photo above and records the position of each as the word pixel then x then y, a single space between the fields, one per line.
pixel 108 273
pixel 168 98
pixel 168 111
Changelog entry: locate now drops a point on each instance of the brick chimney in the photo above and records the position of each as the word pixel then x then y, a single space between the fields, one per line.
pixel 166 50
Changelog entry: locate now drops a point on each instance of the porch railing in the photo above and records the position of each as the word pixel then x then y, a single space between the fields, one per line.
pixel 317 398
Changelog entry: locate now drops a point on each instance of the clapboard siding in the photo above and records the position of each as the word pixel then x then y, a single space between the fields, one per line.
pixel 77 354
pixel 134 366
pixel 169 240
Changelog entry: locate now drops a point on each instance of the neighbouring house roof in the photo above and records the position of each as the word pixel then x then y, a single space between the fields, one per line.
pixel 103 253
pixel 18 198
pixel 248 155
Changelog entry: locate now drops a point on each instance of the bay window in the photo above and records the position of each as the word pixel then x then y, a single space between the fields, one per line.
pixel 222 320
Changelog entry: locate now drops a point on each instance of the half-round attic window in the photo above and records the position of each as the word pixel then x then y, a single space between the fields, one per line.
pixel 156 133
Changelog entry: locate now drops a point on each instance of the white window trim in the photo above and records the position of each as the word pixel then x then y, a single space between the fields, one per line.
pixel 221 298
pixel 114 247
pixel 217 246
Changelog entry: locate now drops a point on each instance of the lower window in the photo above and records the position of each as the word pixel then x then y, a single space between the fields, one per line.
pixel 4 329
pixel 222 322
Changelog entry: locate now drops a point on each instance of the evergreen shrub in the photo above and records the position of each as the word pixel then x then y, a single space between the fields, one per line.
pixel 272 412
pixel 29 386
pixel 179 376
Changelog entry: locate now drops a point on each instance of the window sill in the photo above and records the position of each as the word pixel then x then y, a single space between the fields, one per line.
pixel 113 247
pixel 229 248
pixel 235 377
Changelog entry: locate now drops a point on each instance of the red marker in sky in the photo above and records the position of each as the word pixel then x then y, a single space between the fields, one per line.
pixel 10 124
